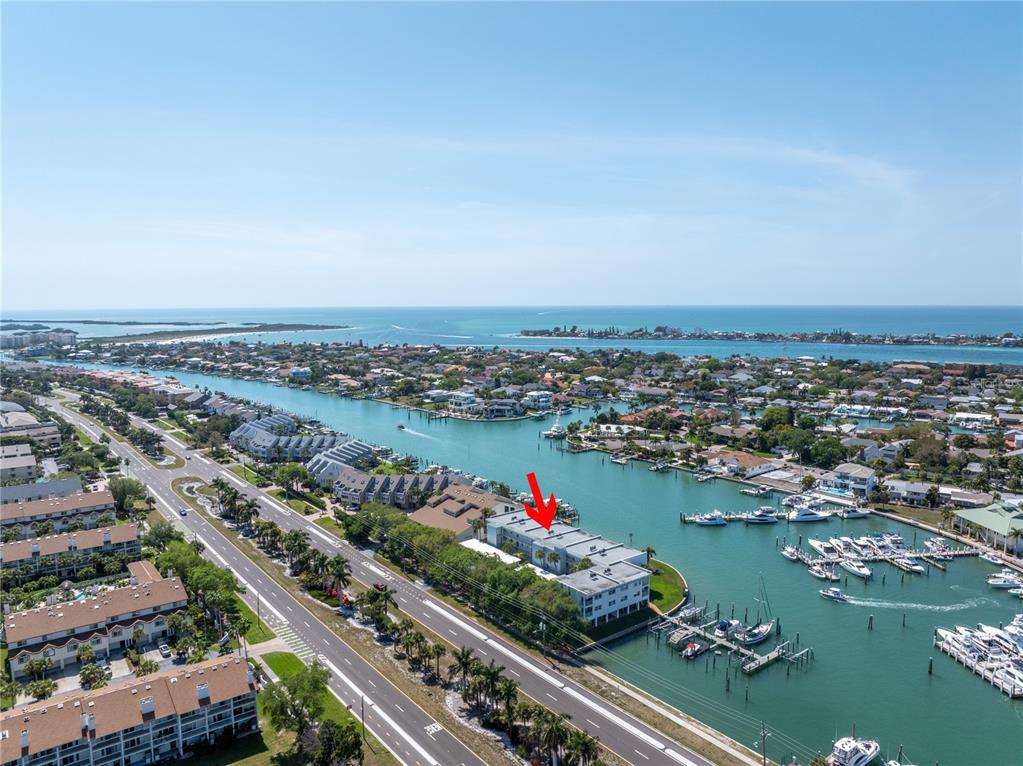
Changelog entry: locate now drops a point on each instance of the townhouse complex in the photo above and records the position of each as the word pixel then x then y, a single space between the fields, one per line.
pixel 162 717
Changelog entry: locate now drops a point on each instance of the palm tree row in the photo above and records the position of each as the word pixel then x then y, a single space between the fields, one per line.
pixel 536 729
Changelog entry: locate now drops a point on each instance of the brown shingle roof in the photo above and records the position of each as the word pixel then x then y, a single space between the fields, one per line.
pixel 58 721
pixel 55 505
pixel 76 615
pixel 84 540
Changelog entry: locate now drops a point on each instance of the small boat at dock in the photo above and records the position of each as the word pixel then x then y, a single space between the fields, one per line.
pixel 822 572
pixel 853 513
pixel 854 567
pixel 725 628
pixel 991 559
pixel 762 515
pixel 619 459
pixel 908 564
pixel 754 634
pixel 712 519
pixel 849 751
pixel 790 552
pixel 805 513
pixel 694 649
pixel 1005 579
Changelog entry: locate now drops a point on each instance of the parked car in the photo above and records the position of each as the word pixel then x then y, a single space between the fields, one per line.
pixel 379 586
pixel 165 650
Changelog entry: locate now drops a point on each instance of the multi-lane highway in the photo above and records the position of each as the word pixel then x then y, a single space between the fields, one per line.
pixel 407 730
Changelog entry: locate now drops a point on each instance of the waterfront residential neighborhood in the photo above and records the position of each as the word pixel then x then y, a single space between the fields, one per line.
pixel 511 384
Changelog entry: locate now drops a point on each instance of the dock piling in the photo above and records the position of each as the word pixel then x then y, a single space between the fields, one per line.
pixel 930 666
pixel 870 622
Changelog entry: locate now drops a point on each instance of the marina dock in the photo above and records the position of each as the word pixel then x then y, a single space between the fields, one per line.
pixel 1014 691
pixel 680 631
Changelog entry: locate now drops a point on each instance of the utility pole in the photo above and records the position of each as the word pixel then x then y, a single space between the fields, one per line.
pixel 763 743
pixel 543 638
pixel 362 705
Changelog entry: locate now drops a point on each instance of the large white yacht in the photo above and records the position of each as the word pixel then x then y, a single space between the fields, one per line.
pixel 855 567
pixel 803 513
pixel 712 519
pixel 850 751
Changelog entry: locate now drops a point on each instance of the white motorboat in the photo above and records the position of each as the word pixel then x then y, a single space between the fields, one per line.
pixel 821 572
pixel 854 567
pixel 805 513
pixel 991 559
pixel 619 459
pixel 849 751
pixel 725 628
pixel 762 515
pixel 853 513
pixel 833 594
pixel 909 564
pixel 790 552
pixel 1004 580
pixel 556 431
pixel 712 519
pixel 823 547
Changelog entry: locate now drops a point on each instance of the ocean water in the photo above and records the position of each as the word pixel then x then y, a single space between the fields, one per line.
pixel 875 680
pixel 498 326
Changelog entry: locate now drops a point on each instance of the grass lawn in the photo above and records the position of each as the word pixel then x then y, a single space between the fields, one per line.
pixel 5 702
pixel 268 748
pixel 244 472
pixel 257 632
pixel 285 664
pixel 294 503
pixel 165 425
pixel 83 438
pixel 181 436
pixel 610 628
pixel 331 526
pixel 177 462
pixel 667 587
pixel 924 515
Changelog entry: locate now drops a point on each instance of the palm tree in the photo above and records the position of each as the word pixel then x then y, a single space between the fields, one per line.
pixel 491 676
pixel 649 551
pixel 402 630
pixel 296 542
pixel 507 694
pixel 1013 534
pixel 553 734
pixel 581 749
pixel 437 651
pixel 384 598
pixel 340 571
pixel 464 659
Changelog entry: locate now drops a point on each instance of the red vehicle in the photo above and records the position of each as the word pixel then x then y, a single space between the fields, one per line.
pixel 379 586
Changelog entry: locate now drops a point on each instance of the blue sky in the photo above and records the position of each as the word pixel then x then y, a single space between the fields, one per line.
pixel 328 154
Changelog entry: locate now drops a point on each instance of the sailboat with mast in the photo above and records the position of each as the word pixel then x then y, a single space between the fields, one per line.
pixel 557 431
pixel 759 632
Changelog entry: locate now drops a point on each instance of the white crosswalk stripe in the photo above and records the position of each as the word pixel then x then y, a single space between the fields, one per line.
pixel 298 646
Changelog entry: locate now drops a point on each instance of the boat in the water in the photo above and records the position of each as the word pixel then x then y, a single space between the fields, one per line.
pixel 765 514
pixel 1005 580
pixel 694 649
pixel 725 628
pixel 712 519
pixel 790 552
pixel 660 465
pixel 853 513
pixel 619 459
pixel 849 751
pixel 833 594
pixel 824 547
pixel 854 567
pixel 805 513
pixel 991 559
pixel 754 634
pixel 556 431
pixel 822 572
pixel 909 564
pixel 401 426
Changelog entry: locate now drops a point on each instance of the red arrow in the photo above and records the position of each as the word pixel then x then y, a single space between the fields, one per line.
pixel 545 515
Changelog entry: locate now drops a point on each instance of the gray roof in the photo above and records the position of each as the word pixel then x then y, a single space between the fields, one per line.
pixel 55 488
pixel 597 579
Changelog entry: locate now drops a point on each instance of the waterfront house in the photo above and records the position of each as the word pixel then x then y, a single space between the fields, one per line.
pixel 163 717
pixel 994 524
pixel 502 408
pixel 300 374
pixel 538 401
pixel 464 402
pixel 326 466
pixel 848 478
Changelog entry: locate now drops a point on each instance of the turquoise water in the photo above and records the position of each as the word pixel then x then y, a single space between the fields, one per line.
pixel 876 680
pixel 497 326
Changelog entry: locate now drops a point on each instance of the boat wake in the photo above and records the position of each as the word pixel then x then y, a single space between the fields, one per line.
pixel 430 334
pixel 420 433
pixel 876 603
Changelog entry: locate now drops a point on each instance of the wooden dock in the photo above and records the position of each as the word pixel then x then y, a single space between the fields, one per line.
pixel 1014 691
pixel 751 661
